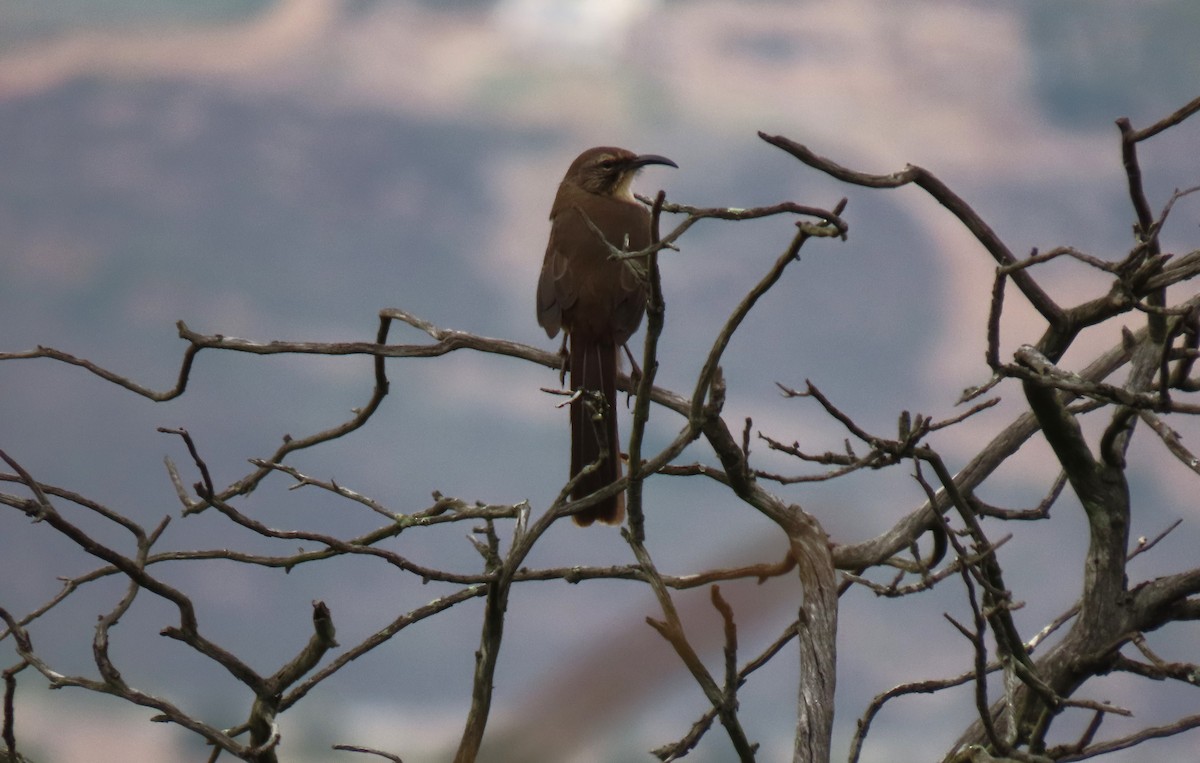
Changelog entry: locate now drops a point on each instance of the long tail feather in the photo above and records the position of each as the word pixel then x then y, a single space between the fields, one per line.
pixel 594 367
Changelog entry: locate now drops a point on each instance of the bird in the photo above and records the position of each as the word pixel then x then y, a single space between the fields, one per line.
pixel 597 300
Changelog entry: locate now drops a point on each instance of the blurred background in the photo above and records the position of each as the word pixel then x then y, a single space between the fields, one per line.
pixel 283 170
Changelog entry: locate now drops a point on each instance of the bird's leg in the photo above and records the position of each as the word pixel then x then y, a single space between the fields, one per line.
pixel 564 362
pixel 635 374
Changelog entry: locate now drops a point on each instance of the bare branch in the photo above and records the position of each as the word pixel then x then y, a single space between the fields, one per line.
pixel 368 751
pixel 928 182
pixel 671 629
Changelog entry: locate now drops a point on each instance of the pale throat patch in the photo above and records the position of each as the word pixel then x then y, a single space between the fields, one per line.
pixel 624 189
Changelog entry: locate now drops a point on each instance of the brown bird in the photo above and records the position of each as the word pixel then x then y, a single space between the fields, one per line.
pixel 597 301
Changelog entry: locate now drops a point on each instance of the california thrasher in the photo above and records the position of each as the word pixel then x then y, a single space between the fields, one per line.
pixel 597 300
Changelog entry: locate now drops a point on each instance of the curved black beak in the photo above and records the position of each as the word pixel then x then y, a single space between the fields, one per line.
pixel 644 159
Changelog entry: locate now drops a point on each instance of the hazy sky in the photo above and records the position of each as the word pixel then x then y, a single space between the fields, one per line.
pixel 286 175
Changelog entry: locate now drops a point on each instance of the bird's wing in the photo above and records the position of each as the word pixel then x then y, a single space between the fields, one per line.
pixel 553 293
pixel 630 299
pixel 630 303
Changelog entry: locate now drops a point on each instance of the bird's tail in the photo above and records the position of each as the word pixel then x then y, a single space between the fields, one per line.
pixel 594 367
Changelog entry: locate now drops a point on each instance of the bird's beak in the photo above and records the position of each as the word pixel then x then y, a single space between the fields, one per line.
pixel 644 159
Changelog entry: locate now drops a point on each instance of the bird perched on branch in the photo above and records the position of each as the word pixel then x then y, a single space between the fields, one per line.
pixel 597 300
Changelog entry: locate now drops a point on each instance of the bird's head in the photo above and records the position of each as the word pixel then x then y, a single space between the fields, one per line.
pixel 609 171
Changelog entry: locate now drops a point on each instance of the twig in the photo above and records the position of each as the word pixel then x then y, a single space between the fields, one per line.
pixel 1144 545
pixel 671 629
pixel 1132 740
pixel 928 182
pixel 655 319
pixel 677 750
pixel 368 751
pixel 8 733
